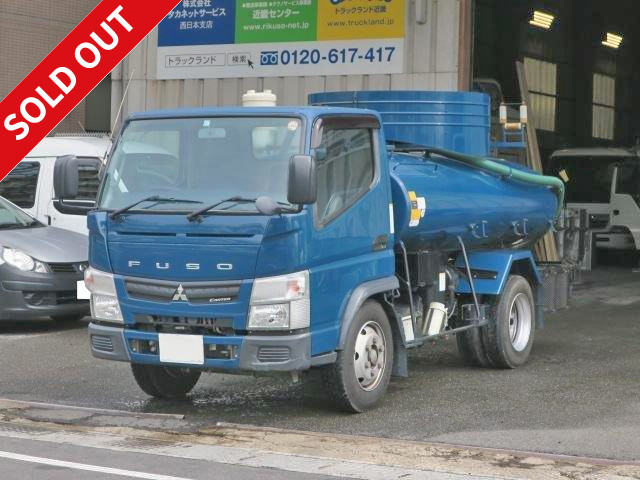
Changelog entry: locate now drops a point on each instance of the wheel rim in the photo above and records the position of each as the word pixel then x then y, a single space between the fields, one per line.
pixel 520 322
pixel 369 356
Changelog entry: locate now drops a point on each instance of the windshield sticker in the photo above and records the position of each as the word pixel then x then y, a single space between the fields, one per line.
pixel 293 126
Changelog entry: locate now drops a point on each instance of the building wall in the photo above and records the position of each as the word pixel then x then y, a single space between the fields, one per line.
pixel 29 30
pixel 431 63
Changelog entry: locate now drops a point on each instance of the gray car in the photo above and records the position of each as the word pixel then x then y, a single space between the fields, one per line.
pixel 39 268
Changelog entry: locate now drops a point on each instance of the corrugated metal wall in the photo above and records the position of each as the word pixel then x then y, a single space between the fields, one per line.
pixel 431 63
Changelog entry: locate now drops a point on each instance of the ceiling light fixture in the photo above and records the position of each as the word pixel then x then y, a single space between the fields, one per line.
pixel 542 19
pixel 612 40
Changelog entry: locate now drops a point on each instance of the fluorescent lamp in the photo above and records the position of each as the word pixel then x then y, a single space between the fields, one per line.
pixel 612 40
pixel 542 19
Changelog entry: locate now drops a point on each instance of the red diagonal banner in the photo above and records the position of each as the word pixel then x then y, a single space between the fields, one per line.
pixel 69 73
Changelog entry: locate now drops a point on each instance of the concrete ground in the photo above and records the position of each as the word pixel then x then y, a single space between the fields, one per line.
pixel 578 394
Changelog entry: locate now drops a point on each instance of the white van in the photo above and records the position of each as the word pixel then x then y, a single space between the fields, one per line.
pixel 31 184
pixel 605 182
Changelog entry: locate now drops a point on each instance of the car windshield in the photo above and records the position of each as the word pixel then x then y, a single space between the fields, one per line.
pixel 12 217
pixel 201 161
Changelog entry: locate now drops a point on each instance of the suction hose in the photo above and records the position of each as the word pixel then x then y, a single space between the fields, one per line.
pixel 498 168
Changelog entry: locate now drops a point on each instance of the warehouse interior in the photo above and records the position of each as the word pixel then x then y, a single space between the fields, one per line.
pixel 583 87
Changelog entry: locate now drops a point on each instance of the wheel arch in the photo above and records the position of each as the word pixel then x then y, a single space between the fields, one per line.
pixel 362 293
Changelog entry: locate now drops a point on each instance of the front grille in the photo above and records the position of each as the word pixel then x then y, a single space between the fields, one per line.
pixel 67 267
pixel 274 354
pixel 196 293
pixel 221 327
pixel 102 343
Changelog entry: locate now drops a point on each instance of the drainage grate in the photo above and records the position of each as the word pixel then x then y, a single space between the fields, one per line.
pixel 102 343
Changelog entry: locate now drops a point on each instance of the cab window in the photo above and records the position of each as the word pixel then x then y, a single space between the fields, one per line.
pixel 21 184
pixel 345 169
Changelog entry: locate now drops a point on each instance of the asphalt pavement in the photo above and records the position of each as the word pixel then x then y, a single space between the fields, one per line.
pixel 578 394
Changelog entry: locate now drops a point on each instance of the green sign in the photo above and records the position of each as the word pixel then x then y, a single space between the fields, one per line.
pixel 276 21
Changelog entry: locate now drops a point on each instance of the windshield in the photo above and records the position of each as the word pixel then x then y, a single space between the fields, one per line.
pixel 201 160
pixel 12 217
pixel 587 179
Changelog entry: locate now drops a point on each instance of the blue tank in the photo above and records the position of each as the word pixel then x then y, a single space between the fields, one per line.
pixel 438 198
pixel 458 121
pixel 449 199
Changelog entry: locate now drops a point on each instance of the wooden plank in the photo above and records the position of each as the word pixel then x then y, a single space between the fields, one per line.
pixel 545 249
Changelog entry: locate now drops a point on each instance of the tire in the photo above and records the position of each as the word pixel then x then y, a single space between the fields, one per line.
pixel 351 385
pixel 508 338
pixel 165 382
pixel 471 348
pixel 67 318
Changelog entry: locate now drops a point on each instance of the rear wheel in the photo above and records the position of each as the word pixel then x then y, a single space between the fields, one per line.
pixel 508 338
pixel 470 346
pixel 165 382
pixel 471 349
pixel 360 376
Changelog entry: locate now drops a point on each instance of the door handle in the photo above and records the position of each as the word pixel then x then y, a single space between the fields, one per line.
pixel 616 212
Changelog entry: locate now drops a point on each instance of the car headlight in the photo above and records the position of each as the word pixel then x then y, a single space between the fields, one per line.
pixel 104 298
pixel 280 303
pixel 20 260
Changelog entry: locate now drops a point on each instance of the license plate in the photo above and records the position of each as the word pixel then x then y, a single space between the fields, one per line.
pixel 83 291
pixel 184 349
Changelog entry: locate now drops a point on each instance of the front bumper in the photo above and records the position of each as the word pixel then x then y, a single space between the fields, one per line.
pixel 281 353
pixel 29 295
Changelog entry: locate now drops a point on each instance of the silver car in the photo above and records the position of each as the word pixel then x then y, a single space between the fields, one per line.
pixel 39 268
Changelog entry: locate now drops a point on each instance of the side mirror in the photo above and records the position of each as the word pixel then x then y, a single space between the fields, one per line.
pixel 303 188
pixel 66 177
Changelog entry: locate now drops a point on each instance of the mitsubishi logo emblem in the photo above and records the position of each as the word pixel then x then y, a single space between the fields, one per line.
pixel 180 295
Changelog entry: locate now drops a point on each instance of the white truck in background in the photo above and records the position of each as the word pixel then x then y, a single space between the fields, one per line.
pixel 32 183
pixel 606 183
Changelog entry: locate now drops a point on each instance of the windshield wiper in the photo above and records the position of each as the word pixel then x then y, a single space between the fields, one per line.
pixel 152 198
pixel 264 205
pixel 198 213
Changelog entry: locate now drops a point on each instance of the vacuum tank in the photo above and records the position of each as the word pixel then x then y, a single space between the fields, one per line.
pixel 440 194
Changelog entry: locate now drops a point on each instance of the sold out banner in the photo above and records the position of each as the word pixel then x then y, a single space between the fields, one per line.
pixel 69 73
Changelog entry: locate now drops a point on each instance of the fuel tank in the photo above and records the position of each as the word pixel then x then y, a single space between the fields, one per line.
pixel 436 199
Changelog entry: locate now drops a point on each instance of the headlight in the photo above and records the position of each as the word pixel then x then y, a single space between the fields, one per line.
pixel 280 303
pixel 20 260
pixel 104 298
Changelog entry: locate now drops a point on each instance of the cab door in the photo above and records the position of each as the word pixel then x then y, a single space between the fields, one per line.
pixel 351 236
pixel 625 201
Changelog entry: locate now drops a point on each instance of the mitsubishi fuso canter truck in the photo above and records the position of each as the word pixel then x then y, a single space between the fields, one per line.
pixel 283 239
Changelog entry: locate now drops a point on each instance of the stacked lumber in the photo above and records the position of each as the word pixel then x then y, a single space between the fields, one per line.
pixel 546 249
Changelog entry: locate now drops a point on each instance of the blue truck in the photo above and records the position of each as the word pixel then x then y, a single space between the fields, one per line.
pixel 262 240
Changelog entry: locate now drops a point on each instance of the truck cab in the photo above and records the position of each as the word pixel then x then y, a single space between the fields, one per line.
pixel 601 181
pixel 30 185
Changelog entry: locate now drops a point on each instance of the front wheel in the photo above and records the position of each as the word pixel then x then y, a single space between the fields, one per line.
pixel 165 382
pixel 360 376
pixel 508 338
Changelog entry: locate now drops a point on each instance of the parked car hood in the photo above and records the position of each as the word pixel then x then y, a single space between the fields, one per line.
pixel 48 244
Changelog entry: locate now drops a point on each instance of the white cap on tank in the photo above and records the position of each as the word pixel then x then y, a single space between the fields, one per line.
pixel 259 99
